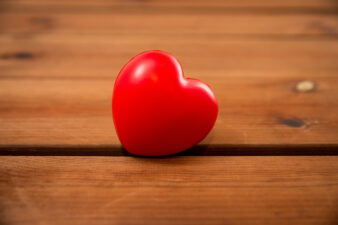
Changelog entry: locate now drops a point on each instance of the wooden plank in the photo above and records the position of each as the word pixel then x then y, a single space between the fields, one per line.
pixel 254 81
pixel 253 111
pixel 153 23
pixel 182 190
pixel 96 56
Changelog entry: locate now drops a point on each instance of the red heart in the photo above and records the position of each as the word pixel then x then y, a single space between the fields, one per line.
pixel 156 110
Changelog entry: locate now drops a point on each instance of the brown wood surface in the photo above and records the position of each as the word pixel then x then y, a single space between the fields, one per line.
pixel 171 23
pixel 253 112
pixel 270 159
pixel 178 190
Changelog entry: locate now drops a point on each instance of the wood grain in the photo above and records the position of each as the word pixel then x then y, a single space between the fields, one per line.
pixel 171 23
pixel 99 56
pixel 182 190
pixel 255 111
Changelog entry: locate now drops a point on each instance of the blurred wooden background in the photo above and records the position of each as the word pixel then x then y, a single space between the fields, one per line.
pixel 272 157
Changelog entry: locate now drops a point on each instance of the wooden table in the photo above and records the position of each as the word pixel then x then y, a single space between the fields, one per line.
pixel 272 157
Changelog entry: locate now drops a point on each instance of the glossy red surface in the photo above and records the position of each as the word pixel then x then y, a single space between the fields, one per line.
pixel 156 110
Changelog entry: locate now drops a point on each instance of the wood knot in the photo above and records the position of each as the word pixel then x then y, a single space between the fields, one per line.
pixel 305 86
pixel 291 122
pixel 43 22
pixel 323 27
pixel 23 55
pixel 17 55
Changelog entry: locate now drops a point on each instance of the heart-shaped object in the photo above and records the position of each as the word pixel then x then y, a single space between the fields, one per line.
pixel 156 110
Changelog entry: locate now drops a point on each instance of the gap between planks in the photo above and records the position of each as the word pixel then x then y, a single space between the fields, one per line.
pixel 198 150
pixel 233 7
